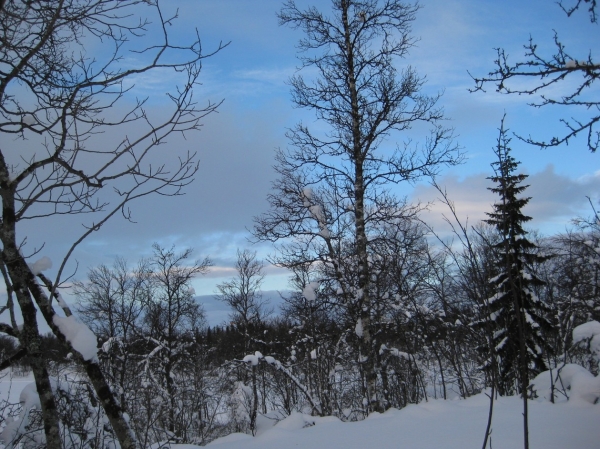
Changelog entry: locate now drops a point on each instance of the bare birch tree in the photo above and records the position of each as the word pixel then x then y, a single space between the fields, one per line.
pixel 242 294
pixel 333 191
pixel 173 317
pixel 68 70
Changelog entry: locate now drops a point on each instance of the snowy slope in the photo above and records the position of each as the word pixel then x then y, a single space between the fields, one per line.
pixel 436 424
pixel 456 424
pixel 11 386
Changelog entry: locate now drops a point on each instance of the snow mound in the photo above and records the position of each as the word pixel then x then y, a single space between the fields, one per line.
pixel 571 382
pixel 436 424
pixel 585 388
pixel 296 421
pixel 591 332
pixel 266 421
pixel 167 445
pixel 232 438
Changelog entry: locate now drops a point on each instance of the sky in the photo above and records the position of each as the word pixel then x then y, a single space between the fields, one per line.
pixel 237 144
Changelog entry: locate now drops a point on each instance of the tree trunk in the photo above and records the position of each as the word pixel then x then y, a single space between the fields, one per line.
pixel 523 374
pixel 29 336
pixel 110 404
pixel 366 355
pixel 254 409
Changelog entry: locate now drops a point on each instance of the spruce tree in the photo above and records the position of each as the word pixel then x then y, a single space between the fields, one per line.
pixel 519 318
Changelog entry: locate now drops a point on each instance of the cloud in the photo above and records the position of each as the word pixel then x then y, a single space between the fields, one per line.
pixel 236 145
pixel 269 75
pixel 555 199
pixel 235 150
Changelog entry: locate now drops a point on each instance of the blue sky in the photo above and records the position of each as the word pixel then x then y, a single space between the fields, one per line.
pixel 455 37
pixel 236 146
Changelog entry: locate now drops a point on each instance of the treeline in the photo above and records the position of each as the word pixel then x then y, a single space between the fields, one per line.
pixel 180 380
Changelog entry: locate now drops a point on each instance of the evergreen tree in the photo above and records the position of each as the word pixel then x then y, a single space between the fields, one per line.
pixel 519 318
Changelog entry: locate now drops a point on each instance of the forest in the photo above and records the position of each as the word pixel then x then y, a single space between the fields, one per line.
pixel 382 311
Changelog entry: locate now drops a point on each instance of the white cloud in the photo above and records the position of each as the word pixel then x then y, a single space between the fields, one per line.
pixel 555 199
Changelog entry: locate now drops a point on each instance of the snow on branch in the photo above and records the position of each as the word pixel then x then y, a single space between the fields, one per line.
pixel 255 358
pixel 81 338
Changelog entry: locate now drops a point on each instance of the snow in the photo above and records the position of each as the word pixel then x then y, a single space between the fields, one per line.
pixel 395 352
pixel 232 438
pixel 435 424
pixel 456 424
pixel 324 232
pixel 40 265
pixel 399 354
pixel 166 445
pixel 589 331
pixel 585 388
pixel 358 329
pixel 79 335
pixel 317 212
pixel 307 193
pixel 501 344
pixel 29 119
pixel 61 302
pixel 310 291
pixel 29 399
pixel 571 382
pixel 253 359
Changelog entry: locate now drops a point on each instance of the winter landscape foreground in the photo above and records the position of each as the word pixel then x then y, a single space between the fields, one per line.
pixel 449 424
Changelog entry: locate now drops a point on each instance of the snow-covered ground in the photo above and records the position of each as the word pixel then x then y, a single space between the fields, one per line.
pixel 453 424
pixel 12 385
pixel 436 424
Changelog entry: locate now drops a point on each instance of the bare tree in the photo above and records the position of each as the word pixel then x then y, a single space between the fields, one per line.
pixel 111 303
pixel 111 300
pixel 172 318
pixel 242 294
pixel 564 78
pixel 61 97
pixel 248 310
pixel 333 189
